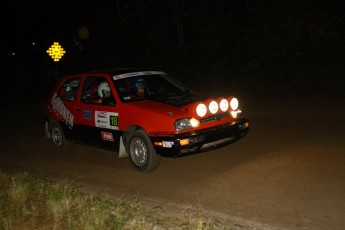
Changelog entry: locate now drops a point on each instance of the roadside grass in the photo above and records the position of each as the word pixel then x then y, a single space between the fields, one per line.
pixel 29 202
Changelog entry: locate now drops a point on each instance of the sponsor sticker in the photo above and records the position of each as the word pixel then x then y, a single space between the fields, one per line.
pixel 107 136
pixel 167 144
pixel 87 114
pixel 108 120
pixel 102 114
pixel 62 110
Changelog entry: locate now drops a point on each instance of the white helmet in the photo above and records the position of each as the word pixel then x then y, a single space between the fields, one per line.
pixel 103 86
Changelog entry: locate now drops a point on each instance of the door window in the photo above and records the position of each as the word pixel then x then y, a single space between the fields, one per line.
pixel 96 90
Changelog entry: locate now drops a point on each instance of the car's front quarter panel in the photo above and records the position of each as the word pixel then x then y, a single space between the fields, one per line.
pixel 153 122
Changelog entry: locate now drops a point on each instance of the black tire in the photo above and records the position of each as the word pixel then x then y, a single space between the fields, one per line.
pixel 57 135
pixel 141 152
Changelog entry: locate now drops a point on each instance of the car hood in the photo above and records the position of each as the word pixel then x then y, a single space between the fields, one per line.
pixel 181 100
pixel 176 106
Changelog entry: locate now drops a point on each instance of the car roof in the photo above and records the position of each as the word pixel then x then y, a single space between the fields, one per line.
pixel 117 71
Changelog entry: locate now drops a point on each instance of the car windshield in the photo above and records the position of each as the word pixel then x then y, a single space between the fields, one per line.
pixel 131 87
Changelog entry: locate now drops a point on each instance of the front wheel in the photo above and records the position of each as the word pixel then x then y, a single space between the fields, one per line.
pixel 141 151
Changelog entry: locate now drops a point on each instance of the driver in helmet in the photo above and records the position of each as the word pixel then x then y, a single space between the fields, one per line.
pixel 104 92
pixel 140 87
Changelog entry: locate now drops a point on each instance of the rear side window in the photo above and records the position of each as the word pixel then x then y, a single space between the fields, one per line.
pixel 69 89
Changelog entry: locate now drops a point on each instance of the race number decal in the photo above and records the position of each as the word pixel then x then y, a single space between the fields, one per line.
pixel 108 120
pixel 113 120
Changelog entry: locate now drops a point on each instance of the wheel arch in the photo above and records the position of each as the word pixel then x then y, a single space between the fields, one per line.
pixel 128 131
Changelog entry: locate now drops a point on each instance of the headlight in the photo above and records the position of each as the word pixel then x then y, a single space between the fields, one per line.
pixel 234 103
pixel 201 110
pixel 224 105
pixel 186 123
pixel 234 114
pixel 213 107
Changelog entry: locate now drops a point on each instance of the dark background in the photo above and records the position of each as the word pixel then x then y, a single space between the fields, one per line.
pixel 270 48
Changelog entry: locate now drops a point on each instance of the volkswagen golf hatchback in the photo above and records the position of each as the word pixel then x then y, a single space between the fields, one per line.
pixel 141 114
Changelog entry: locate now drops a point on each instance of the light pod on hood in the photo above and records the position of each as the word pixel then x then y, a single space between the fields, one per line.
pixel 223 104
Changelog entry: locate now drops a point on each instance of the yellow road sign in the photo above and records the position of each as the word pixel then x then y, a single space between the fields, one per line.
pixel 56 51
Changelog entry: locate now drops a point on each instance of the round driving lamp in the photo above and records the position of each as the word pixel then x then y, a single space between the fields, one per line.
pixel 201 110
pixel 213 107
pixel 234 103
pixel 224 105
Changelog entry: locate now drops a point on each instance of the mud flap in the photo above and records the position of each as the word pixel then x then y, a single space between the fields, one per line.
pixel 46 131
pixel 122 151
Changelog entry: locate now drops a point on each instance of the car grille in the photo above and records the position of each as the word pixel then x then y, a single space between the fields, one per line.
pixel 215 117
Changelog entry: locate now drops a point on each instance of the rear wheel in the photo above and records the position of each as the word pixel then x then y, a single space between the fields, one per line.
pixel 141 151
pixel 57 135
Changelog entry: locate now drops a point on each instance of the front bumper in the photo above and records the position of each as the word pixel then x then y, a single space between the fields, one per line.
pixel 203 140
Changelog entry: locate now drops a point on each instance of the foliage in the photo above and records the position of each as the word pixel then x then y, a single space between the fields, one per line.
pixel 29 202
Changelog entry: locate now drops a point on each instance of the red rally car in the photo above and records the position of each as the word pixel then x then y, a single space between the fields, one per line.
pixel 142 114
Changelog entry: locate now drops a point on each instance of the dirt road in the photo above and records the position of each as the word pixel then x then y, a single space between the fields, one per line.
pixel 287 173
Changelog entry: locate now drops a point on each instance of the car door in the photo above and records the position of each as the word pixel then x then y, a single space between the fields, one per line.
pixel 96 117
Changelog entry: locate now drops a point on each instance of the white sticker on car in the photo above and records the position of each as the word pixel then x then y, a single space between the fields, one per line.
pixel 167 144
pixel 108 120
pixel 62 110
pixel 107 136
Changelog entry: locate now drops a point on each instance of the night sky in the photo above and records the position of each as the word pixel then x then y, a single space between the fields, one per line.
pixel 37 20
pixel 266 44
